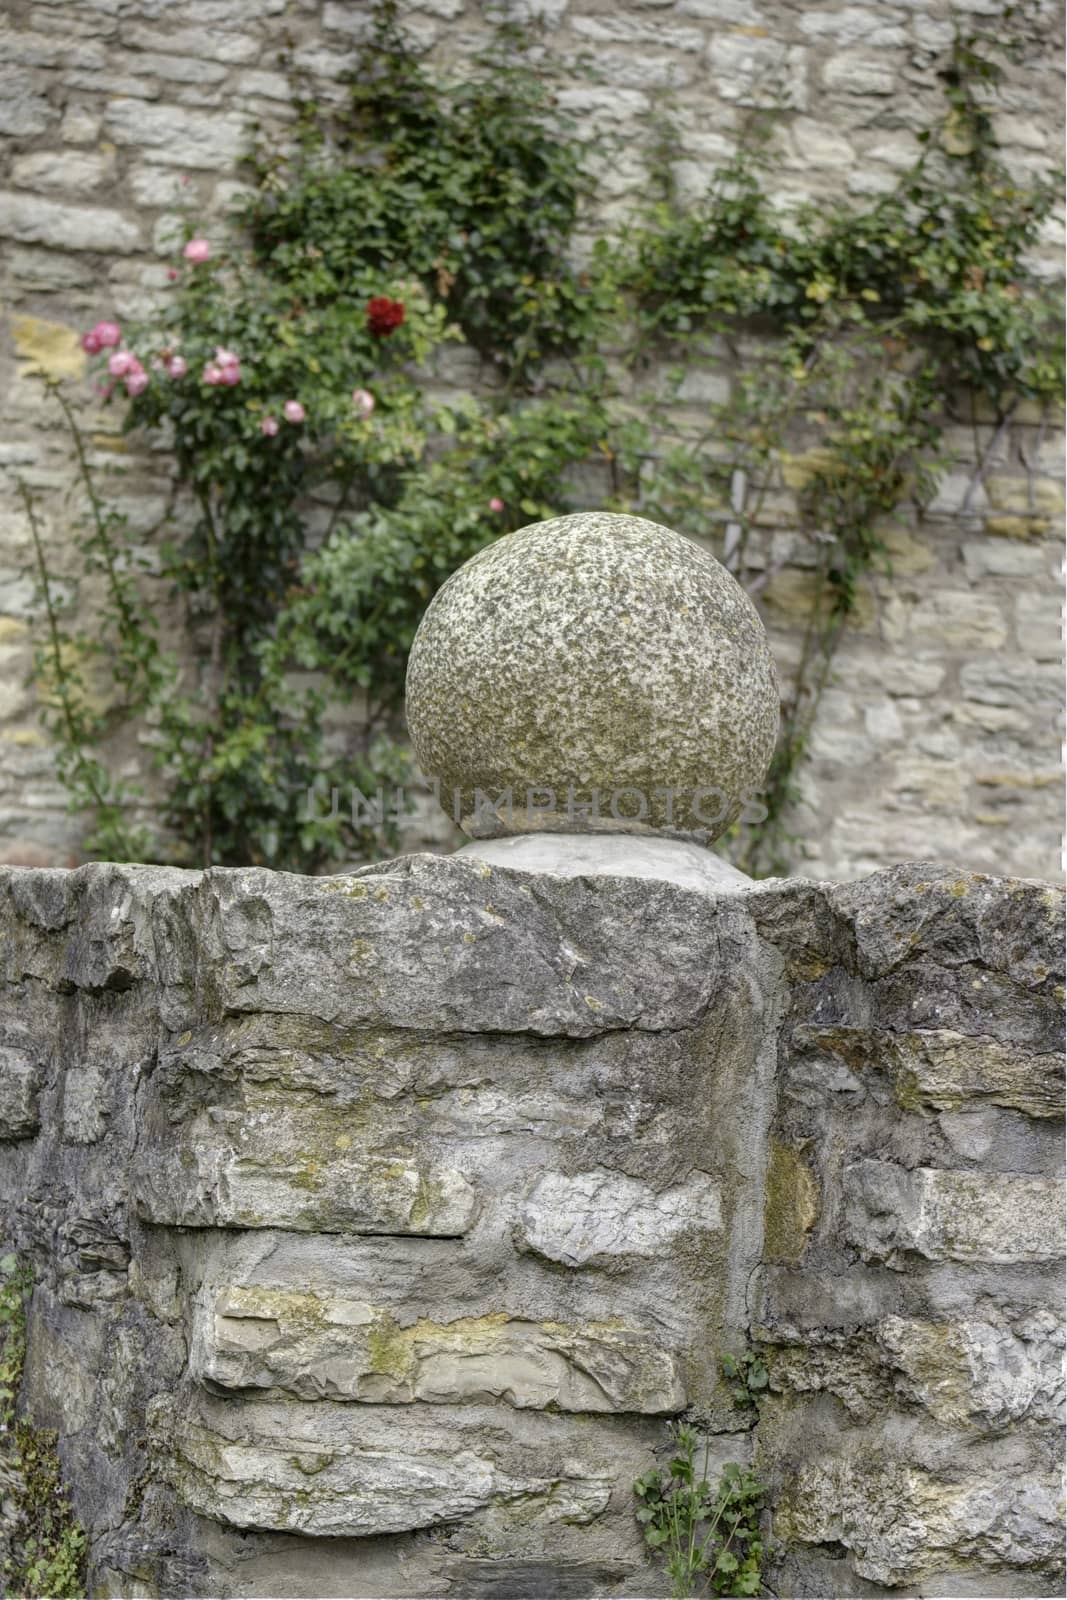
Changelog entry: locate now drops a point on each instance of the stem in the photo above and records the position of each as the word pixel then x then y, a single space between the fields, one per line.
pixel 214 677
pixel 978 475
pixel 74 733
pixel 127 621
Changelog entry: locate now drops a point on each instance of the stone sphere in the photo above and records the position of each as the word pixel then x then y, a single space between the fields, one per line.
pixel 596 673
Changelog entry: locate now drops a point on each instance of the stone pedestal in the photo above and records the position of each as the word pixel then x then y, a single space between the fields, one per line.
pixel 380 1223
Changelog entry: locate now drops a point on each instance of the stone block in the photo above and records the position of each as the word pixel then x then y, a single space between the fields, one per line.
pixel 620 29
pixel 20 1086
pixel 178 136
pixel 333 1349
pixel 940 1069
pixel 78 171
pixel 172 68
pixel 301 1469
pixel 1039 619
pixel 960 618
pixel 1017 527
pixel 746 67
pixel 1022 496
pixel 304 1172
pixel 604 1219
pixel 430 916
pixel 892 1213
pixel 901 1523
pixel 854 73
pixel 977 1374
pixel 210 43
pixel 49 347
pixel 67 227
pixel 853 25
pixel 995 558
pixel 23 112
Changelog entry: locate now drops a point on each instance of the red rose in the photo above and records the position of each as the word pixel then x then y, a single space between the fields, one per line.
pixel 383 315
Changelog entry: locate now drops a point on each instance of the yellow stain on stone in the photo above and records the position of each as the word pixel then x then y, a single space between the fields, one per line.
pixel 794 591
pixel 111 441
pixel 798 470
pixel 1017 527
pixel 908 556
pixel 1036 412
pixel 12 630
pixel 956 135
pixel 1016 780
pixel 1014 494
pixel 791 1205
pixel 49 347
pixel 25 736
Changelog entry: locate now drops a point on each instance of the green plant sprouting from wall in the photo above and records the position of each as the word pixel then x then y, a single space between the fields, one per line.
pixel 330 474
pixel 46 1547
pixel 709 1536
pixel 747 1376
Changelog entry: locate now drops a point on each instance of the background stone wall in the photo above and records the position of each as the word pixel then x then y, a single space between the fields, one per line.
pixel 364 1266
pixel 938 735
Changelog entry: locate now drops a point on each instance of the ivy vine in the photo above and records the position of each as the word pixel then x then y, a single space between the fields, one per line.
pixel 331 470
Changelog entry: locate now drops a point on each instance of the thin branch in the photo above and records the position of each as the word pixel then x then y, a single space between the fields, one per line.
pixel 978 475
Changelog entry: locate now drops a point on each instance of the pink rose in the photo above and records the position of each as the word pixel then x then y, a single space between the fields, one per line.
pixel 173 274
pixel 230 374
pixel 177 367
pixel 269 426
pixel 225 358
pixel 121 363
pixel 496 504
pixel 197 250
pixel 294 411
pixel 211 373
pixel 137 382
pixel 108 334
pixel 91 342
pixel 362 402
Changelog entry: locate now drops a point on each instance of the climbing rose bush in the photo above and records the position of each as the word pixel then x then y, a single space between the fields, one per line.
pixel 275 392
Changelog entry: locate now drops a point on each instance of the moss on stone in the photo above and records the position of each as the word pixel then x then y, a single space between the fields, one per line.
pixel 429 1196
pixel 389 1351
pixel 791 1203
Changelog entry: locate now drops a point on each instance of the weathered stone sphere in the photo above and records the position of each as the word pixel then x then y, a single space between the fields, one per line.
pixel 597 673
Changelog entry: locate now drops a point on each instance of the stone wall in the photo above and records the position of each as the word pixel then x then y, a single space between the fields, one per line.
pixel 379 1223
pixel 938 733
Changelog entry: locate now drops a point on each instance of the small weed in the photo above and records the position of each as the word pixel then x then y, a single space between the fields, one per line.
pixel 747 1375
pixel 47 1546
pixel 710 1537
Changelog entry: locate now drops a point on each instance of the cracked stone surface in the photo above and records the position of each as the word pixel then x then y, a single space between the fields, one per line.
pixel 320 1348
pixel 595 1218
